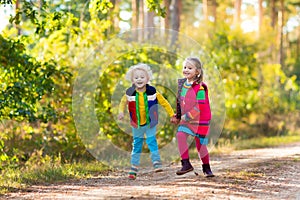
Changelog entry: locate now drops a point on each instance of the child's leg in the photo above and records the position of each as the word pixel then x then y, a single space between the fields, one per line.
pixel 152 144
pixel 184 153
pixel 204 156
pixel 137 144
pixel 202 151
pixel 182 145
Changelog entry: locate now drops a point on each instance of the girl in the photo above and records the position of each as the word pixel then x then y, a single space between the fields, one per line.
pixel 142 100
pixel 194 114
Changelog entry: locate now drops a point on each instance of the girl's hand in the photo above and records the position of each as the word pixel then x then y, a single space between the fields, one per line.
pixel 121 116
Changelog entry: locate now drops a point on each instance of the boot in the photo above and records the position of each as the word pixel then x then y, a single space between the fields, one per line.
pixel 207 171
pixel 186 167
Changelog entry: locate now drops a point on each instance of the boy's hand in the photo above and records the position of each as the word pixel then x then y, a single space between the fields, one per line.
pixel 174 120
pixel 121 116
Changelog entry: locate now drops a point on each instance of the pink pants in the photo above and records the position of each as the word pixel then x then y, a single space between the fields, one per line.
pixel 184 148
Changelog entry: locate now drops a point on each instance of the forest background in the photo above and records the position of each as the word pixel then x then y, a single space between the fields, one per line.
pixel 254 44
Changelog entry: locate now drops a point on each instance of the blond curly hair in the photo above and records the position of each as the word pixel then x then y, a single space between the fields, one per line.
pixel 140 66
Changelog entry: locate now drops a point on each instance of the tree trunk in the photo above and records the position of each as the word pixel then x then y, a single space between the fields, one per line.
pixel 273 25
pixel 141 15
pixel 260 16
pixel 260 54
pixel 140 19
pixel 214 10
pixel 114 18
pixel 237 14
pixel 273 13
pixel 298 44
pixel 150 23
pixel 17 10
pixel 280 26
pixel 205 9
pixel 150 19
pixel 288 46
pixel 166 20
pixel 175 9
pixel 135 18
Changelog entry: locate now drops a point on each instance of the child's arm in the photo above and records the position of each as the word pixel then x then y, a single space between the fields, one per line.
pixel 164 103
pixel 195 111
pixel 122 107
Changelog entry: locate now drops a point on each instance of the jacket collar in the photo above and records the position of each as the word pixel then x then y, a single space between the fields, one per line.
pixel 182 80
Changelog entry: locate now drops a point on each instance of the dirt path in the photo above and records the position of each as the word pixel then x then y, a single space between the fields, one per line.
pixel 271 173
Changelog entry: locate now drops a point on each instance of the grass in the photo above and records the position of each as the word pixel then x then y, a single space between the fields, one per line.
pixel 296 159
pixel 226 146
pixel 264 142
pixel 14 179
pixel 244 174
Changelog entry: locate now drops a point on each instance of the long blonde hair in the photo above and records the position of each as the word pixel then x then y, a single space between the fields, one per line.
pixel 197 63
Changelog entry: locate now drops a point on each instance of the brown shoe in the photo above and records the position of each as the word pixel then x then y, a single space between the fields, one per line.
pixel 207 171
pixel 186 167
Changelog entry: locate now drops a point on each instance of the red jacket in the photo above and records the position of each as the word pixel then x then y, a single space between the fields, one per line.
pixel 197 110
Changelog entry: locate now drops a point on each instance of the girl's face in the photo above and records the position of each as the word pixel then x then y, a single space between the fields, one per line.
pixel 190 71
pixel 140 79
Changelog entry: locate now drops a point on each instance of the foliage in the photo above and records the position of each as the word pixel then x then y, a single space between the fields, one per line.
pixel 154 5
pixel 25 82
pixel 40 89
pixel 5 2
pixel 235 58
pixel 254 89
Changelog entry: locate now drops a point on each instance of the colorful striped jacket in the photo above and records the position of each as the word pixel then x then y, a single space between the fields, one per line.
pixel 195 106
pixel 151 106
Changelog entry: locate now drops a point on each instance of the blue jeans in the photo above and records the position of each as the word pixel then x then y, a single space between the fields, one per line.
pixel 137 145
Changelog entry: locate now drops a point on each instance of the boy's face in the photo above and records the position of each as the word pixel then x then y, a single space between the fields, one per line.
pixel 140 78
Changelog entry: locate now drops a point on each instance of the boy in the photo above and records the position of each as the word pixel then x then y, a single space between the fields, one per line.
pixel 142 100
